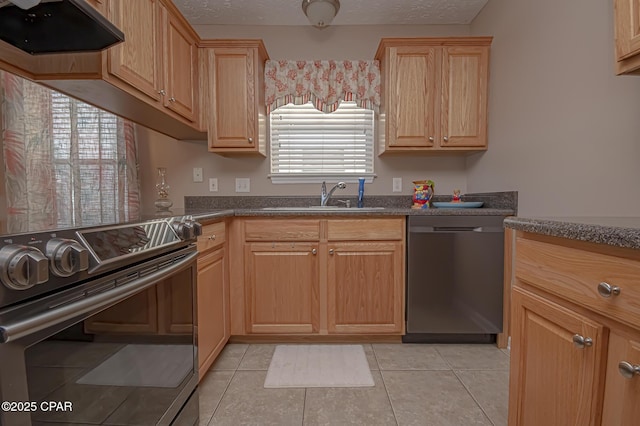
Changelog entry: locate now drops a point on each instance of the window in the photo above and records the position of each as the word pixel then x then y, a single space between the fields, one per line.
pixel 310 146
pixel 86 157
pixel 66 163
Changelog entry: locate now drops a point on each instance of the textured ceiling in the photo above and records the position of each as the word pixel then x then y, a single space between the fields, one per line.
pixel 352 12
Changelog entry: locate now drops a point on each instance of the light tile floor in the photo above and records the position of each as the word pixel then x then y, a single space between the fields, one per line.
pixel 415 384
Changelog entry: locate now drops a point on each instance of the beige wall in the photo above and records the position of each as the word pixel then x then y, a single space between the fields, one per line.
pixel 180 157
pixel 564 131
pixel 349 42
pixel 339 42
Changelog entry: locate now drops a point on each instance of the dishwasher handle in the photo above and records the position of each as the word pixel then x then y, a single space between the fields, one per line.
pixel 435 229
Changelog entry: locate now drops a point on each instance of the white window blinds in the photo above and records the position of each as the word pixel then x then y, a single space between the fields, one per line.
pixel 309 145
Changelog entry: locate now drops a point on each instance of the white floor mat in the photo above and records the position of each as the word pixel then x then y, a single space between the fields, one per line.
pixel 163 366
pixel 318 366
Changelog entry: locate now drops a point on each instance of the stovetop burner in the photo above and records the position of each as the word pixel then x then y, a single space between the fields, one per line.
pixel 33 264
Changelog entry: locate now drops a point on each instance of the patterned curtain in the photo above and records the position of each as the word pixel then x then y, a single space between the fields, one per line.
pixel 66 163
pixel 325 83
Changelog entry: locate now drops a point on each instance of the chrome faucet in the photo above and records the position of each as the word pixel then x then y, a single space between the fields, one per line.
pixel 324 197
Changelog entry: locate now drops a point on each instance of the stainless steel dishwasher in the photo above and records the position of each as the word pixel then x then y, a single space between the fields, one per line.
pixel 454 278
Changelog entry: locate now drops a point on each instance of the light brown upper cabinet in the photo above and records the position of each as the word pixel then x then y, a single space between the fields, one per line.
pixel 434 94
pixel 181 65
pixel 138 61
pixel 237 119
pixel 627 34
pixel 159 56
pixel 151 78
pixel 99 5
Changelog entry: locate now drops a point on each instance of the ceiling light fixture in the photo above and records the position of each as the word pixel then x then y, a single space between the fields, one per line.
pixel 320 12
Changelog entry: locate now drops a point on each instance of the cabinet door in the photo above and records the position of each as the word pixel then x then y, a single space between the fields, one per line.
pixel 552 381
pixel 622 394
pixel 137 61
pixel 411 96
pixel 464 97
pixel 627 28
pixel 175 304
pixel 181 64
pixel 282 287
pixel 365 287
pixel 137 314
pixel 99 5
pixel 232 118
pixel 213 308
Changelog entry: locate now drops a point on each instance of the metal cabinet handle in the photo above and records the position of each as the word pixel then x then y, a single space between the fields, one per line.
pixel 250 140
pixel 628 370
pixel 431 139
pixel 162 92
pixel 212 237
pixel 446 138
pixel 172 99
pixel 581 342
pixel 331 251
pixel 608 290
pixel 314 251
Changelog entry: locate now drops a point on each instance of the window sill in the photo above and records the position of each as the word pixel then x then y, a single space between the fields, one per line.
pixel 280 179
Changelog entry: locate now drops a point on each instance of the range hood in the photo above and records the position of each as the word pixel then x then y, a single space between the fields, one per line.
pixel 56 26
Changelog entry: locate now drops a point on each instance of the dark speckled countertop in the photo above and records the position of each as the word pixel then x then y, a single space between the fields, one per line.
pixel 613 231
pixel 211 208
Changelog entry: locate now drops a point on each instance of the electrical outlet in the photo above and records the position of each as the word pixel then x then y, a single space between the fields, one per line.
pixel 197 174
pixel 397 184
pixel 243 185
pixel 213 184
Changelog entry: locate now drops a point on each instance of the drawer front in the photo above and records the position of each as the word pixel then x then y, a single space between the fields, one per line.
pixel 213 235
pixel 576 274
pixel 282 230
pixel 378 229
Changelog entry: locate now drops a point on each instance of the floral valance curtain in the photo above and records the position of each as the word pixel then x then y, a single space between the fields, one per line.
pixel 66 163
pixel 325 83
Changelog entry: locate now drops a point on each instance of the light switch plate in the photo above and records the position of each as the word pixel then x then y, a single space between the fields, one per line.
pixel 397 185
pixel 197 174
pixel 243 185
pixel 213 184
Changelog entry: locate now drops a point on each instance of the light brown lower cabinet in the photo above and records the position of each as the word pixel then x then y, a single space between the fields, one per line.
pixel 161 309
pixel 575 349
pixel 212 296
pixel 364 286
pixel 321 276
pixel 213 323
pixel 282 287
pixel 557 382
pixel 167 308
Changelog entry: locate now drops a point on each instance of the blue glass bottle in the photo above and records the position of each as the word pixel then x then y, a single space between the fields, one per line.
pixel 360 192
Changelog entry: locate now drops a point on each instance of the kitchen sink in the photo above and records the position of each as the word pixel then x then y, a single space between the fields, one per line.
pixel 323 208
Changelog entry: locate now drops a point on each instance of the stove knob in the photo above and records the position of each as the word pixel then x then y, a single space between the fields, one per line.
pixel 187 230
pixel 179 228
pixel 184 229
pixel 67 257
pixel 22 267
pixel 197 227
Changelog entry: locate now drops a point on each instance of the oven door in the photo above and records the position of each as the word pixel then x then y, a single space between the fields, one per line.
pixel 117 350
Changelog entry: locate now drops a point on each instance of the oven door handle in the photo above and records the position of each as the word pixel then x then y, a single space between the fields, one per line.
pixel 15 330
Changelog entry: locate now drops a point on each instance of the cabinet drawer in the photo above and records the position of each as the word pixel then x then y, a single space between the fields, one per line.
pixel 365 229
pixel 213 235
pixel 575 274
pixel 282 230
